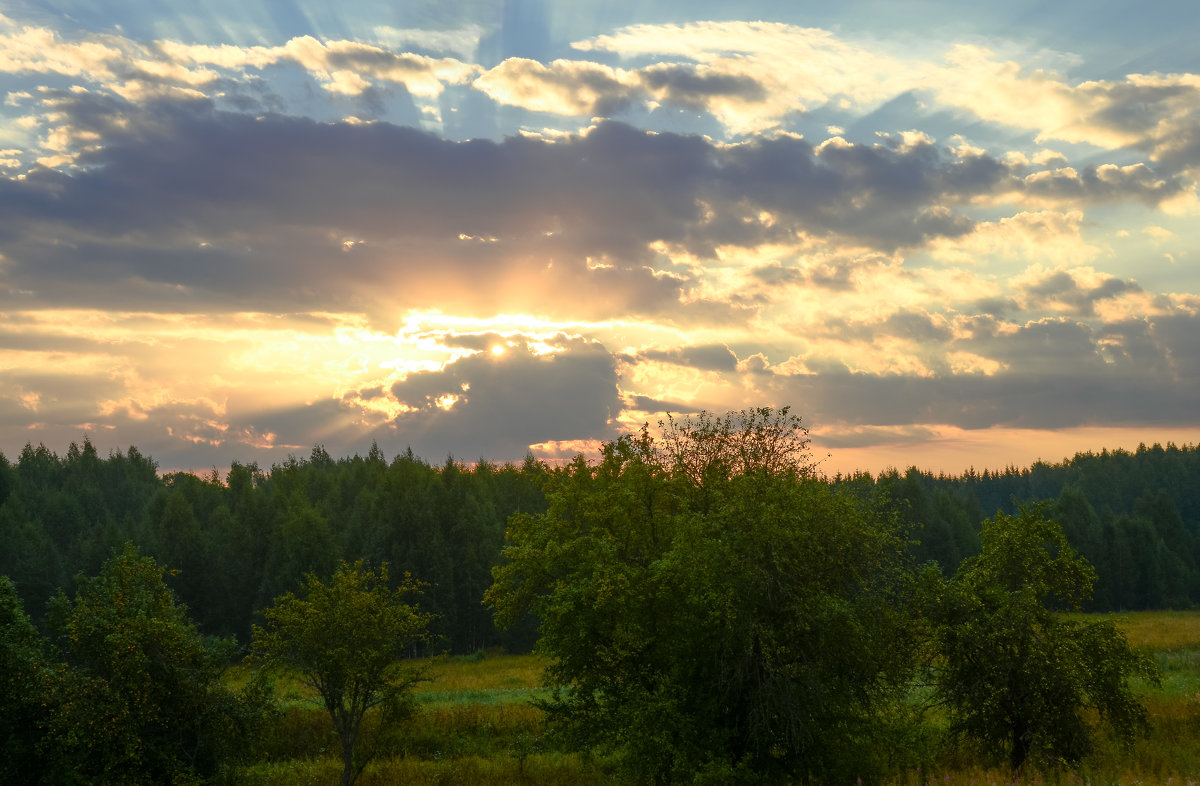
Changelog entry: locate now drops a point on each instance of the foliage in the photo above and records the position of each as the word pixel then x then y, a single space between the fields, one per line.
pixel 1018 677
pixel 706 616
pixel 138 699
pixel 21 676
pixel 345 639
pixel 705 447
pixel 241 540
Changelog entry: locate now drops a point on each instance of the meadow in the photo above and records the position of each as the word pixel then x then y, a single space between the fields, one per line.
pixel 473 723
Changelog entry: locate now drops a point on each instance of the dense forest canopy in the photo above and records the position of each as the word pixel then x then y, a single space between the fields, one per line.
pixel 236 542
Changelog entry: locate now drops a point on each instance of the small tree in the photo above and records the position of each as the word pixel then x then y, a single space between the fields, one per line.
pixel 1017 677
pixel 345 639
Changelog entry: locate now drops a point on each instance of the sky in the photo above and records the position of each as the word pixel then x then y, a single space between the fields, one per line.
pixel 945 234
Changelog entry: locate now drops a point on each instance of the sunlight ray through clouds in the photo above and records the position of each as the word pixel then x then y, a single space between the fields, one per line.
pixel 230 234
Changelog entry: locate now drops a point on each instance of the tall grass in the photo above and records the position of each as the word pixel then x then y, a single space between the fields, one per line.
pixel 1158 630
pixel 491 671
pixel 474 724
pixel 540 769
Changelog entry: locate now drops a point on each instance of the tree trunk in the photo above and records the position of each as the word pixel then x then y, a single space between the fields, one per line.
pixel 347 740
pixel 347 764
pixel 1020 747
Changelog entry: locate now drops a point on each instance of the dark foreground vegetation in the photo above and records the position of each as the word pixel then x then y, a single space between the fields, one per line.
pixel 707 607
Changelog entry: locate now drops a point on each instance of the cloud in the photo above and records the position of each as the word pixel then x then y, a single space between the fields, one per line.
pixel 752 74
pixel 917 326
pixel 208 258
pixel 1055 374
pixel 1073 292
pixel 795 69
pixel 826 269
pixel 1047 235
pixel 109 59
pixel 1155 113
pixel 137 70
pixel 462 41
pixel 868 436
pixel 710 357
pixel 699 87
pixel 178 202
pixel 274 384
pixel 346 67
pixel 1104 183
pixel 564 87
pixel 582 88
pixel 498 405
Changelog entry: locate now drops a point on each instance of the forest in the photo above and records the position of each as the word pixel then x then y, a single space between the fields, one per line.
pixel 240 540
pixel 677 558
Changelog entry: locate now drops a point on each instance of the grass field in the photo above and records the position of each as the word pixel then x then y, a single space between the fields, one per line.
pixel 474 725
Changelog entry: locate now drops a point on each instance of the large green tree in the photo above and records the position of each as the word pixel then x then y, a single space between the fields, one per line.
pixel 347 639
pixel 138 698
pixel 709 608
pixel 1017 676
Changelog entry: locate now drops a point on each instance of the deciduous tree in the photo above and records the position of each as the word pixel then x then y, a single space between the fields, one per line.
pixel 139 697
pixel 711 609
pixel 346 639
pixel 1017 676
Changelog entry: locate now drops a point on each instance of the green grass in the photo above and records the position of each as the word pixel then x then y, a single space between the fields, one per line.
pixel 474 724
pixel 494 671
pixel 491 680
pixel 487 698
pixel 1158 630
pixel 540 769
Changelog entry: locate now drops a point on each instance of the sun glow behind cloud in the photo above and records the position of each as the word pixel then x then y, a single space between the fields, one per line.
pixel 539 237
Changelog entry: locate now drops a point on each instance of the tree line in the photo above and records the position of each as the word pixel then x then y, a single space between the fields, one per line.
pixel 235 543
pixel 1135 516
pixel 240 540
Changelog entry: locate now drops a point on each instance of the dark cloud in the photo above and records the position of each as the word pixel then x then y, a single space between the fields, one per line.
pixel 1057 374
pixel 646 404
pixel 480 342
pixel 510 401
pixel 186 203
pixel 776 274
pixel 995 306
pixel 182 205
pixel 1061 287
pixel 1179 334
pixel 838 275
pixel 505 404
pixel 907 324
pixel 916 326
pixel 1158 113
pixel 869 436
pixel 686 86
pixel 1180 149
pixel 587 89
pixel 1104 183
pixel 710 357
